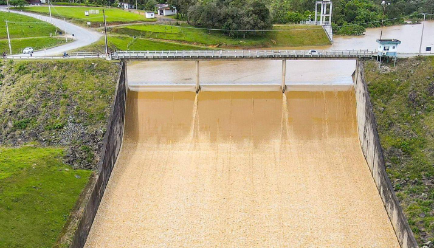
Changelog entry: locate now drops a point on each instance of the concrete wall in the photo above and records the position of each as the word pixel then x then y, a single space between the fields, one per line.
pixel 370 142
pixel 111 147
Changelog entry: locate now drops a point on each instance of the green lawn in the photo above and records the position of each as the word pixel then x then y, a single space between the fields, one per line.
pixel 403 100
pixel 26 32
pixel 129 43
pixel 284 36
pixel 37 192
pixel 21 26
pixel 113 15
pixel 37 43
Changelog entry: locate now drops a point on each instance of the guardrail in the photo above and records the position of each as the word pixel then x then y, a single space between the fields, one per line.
pixel 243 54
pixel 74 55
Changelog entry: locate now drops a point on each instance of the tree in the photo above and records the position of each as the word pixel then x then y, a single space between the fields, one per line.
pixel 18 3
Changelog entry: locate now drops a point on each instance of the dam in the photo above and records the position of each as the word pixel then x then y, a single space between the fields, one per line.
pixel 242 169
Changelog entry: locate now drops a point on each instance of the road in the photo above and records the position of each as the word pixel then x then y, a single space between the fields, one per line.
pixel 82 36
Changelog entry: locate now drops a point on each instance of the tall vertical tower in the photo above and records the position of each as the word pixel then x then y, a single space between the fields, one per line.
pixel 325 15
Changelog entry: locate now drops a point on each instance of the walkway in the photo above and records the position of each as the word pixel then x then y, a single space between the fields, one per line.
pixel 82 36
pixel 243 54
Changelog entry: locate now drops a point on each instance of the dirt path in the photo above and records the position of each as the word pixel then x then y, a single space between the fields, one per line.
pixel 241 170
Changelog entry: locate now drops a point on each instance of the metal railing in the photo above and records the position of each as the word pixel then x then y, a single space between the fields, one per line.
pixel 242 54
pixel 74 55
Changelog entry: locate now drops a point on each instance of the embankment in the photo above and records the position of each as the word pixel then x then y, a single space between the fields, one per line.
pixel 371 147
pixel 110 149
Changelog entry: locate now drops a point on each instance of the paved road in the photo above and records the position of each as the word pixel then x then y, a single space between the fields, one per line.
pixel 82 36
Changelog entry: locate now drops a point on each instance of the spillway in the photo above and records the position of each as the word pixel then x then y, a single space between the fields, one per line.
pixel 241 169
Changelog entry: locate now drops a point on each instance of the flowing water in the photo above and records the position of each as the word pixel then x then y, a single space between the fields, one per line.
pixel 262 170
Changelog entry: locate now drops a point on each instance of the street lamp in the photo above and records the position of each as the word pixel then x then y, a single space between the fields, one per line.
pixel 384 4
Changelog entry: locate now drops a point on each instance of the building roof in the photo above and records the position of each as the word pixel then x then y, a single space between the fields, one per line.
pixel 389 41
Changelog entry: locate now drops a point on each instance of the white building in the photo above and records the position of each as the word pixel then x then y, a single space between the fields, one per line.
pixel 165 9
pixel 150 15
pixel 388 47
pixel 127 6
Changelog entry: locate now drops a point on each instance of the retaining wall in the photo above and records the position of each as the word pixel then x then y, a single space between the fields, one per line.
pixel 371 147
pixel 111 147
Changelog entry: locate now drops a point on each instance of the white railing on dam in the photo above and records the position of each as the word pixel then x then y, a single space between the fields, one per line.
pixel 243 54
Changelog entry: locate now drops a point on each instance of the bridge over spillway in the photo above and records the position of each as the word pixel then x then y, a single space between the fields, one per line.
pixel 244 54
pixel 232 55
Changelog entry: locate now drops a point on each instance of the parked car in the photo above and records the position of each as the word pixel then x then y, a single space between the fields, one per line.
pixel 313 52
pixel 28 50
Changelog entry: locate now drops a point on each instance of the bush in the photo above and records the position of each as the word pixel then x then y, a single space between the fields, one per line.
pixel 18 3
pixel 349 29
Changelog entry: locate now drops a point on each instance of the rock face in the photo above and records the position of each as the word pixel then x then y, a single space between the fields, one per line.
pixel 58 103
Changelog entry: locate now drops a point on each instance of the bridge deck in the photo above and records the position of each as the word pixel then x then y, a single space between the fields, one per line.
pixel 243 54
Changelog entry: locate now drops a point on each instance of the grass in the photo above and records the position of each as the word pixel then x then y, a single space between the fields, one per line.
pixel 403 100
pixel 57 103
pixel 37 43
pixel 113 15
pixel 37 192
pixel 21 26
pixel 26 32
pixel 129 43
pixel 284 36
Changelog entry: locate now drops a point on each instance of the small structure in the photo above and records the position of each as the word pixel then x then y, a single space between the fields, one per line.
pixel 165 9
pixel 325 17
pixel 149 15
pixel 388 47
pixel 127 5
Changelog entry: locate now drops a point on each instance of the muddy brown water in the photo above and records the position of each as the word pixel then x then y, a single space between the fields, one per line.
pixel 241 169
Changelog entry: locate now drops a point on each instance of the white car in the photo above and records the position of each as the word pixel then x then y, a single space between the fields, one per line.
pixel 313 52
pixel 28 50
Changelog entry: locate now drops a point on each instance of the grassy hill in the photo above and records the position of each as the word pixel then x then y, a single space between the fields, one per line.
pixel 54 103
pixel 26 32
pixel 37 192
pixel 113 15
pixel 53 116
pixel 283 36
pixel 403 100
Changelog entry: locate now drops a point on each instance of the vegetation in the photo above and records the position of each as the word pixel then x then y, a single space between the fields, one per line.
pixel 37 43
pixel 230 16
pixel 37 192
pixel 25 32
pixel 21 26
pixel 125 43
pixel 283 36
pixel 403 99
pixel 349 16
pixel 56 103
pixel 113 15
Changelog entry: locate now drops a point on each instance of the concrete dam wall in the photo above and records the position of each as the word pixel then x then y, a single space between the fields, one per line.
pixel 243 169
pixel 111 147
pixel 371 147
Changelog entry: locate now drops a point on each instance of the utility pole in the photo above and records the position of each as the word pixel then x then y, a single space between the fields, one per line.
pixel 9 38
pixel 105 33
pixel 8 5
pixel 49 9
pixel 421 38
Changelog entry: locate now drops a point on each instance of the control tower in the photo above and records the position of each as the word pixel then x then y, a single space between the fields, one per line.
pixel 324 17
